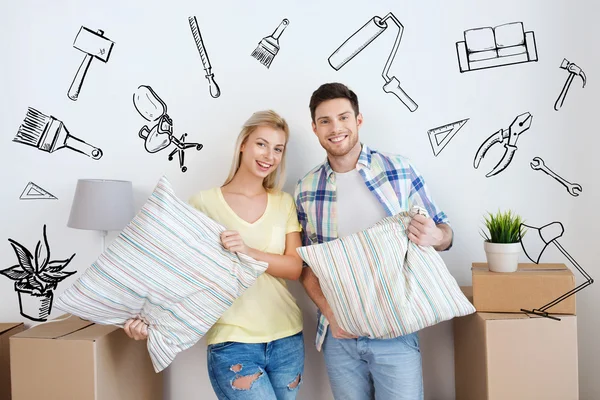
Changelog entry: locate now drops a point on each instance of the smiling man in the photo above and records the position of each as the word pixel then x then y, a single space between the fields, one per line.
pixel 350 191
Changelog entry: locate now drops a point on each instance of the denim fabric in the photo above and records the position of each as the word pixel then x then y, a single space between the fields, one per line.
pixel 381 369
pixel 277 363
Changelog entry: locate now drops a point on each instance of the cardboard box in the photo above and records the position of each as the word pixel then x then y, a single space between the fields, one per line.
pixel 77 359
pixel 499 356
pixel 6 331
pixel 531 286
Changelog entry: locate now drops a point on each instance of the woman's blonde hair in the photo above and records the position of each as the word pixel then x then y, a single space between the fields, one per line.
pixel 275 180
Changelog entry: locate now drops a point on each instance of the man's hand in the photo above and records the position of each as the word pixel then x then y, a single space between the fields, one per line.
pixel 338 332
pixel 311 284
pixel 424 232
pixel 232 241
pixel 136 329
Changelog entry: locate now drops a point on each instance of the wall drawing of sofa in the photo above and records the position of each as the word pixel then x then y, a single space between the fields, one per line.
pixel 488 47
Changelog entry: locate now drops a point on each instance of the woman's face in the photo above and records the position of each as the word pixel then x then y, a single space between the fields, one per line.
pixel 262 151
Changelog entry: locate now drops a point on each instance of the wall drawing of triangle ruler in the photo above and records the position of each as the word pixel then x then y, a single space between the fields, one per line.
pixel 34 192
pixel 442 135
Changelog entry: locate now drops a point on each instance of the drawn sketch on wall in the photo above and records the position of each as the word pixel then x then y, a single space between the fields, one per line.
pixel 36 278
pixel 538 164
pixel 213 88
pixel 488 47
pixel 49 134
pixel 160 136
pixel 534 242
pixel 442 135
pixel 574 70
pixel 361 39
pixel 268 47
pixel 35 192
pixel 94 45
pixel 507 137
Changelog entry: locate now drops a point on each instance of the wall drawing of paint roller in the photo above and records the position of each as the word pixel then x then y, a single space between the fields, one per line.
pixel 361 39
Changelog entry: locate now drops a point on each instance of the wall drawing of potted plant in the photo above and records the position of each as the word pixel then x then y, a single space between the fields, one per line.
pixel 36 278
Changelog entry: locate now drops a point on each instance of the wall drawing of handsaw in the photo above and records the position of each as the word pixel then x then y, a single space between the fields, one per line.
pixel 361 39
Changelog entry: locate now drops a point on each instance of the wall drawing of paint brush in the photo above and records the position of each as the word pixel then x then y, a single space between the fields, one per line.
pixel 268 47
pixel 212 85
pixel 49 134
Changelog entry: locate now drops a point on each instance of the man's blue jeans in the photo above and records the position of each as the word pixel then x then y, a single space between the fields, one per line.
pixel 382 369
pixel 257 371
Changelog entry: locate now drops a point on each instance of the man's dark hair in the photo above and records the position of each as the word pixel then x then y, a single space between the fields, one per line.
pixel 330 91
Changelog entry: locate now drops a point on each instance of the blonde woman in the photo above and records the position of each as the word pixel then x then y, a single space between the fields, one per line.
pixel 256 349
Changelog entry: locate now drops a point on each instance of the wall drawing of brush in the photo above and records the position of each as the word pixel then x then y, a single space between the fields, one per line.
pixel 268 47
pixel 361 39
pixel 49 134
pixel 212 85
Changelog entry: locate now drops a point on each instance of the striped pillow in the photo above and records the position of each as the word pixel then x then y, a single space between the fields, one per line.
pixel 381 285
pixel 168 267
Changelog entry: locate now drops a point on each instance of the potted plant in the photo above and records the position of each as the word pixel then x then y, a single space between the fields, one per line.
pixel 502 240
pixel 36 278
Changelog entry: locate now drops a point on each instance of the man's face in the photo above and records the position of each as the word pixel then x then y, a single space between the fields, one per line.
pixel 336 126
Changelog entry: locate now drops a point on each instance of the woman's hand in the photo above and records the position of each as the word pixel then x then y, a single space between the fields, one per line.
pixel 232 241
pixel 136 329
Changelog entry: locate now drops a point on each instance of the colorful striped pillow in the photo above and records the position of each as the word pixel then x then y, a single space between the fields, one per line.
pixel 381 285
pixel 168 267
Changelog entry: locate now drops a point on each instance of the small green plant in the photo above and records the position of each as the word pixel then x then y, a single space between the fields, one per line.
pixel 503 227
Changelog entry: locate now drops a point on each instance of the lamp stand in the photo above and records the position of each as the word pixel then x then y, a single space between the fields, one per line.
pixel 542 311
pixel 103 239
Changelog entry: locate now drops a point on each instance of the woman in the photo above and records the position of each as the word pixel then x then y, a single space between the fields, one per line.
pixel 256 349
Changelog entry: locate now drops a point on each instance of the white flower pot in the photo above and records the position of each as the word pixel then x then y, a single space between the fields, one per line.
pixel 502 257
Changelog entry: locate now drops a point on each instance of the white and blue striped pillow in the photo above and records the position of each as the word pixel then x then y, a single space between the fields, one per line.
pixel 168 267
pixel 380 284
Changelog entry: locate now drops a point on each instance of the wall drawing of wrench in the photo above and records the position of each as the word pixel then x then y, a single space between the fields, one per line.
pixel 538 164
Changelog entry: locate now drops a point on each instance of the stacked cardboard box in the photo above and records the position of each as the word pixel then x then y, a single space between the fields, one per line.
pixel 77 359
pixel 6 331
pixel 531 286
pixel 501 352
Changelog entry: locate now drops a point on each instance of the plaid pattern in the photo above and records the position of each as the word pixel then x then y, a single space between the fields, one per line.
pixel 391 178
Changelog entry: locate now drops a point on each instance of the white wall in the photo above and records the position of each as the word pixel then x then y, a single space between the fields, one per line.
pixel 153 46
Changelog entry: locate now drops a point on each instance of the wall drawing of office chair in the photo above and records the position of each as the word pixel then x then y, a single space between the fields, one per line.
pixel 151 107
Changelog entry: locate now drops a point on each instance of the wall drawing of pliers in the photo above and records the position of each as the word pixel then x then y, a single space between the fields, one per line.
pixel 574 70
pixel 509 138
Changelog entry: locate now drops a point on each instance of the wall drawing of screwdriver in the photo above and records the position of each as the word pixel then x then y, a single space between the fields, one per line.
pixel 212 85
pixel 508 137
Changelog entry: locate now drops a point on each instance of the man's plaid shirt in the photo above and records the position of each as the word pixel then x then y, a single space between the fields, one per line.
pixel 391 178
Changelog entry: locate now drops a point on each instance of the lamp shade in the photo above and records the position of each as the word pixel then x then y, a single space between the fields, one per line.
pixel 101 204
pixel 537 239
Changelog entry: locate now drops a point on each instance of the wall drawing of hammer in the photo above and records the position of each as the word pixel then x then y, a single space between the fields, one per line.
pixel 213 88
pixel 538 164
pixel 48 134
pixel 574 70
pixel 94 45
pixel 361 39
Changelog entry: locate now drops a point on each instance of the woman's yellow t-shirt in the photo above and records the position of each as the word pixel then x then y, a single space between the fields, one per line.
pixel 266 311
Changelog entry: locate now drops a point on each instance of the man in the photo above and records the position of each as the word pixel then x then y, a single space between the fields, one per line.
pixel 353 189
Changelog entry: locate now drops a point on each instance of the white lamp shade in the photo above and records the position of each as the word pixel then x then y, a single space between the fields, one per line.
pixel 535 240
pixel 101 204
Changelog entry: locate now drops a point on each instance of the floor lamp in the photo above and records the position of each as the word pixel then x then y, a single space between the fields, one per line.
pixel 101 205
pixel 534 243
